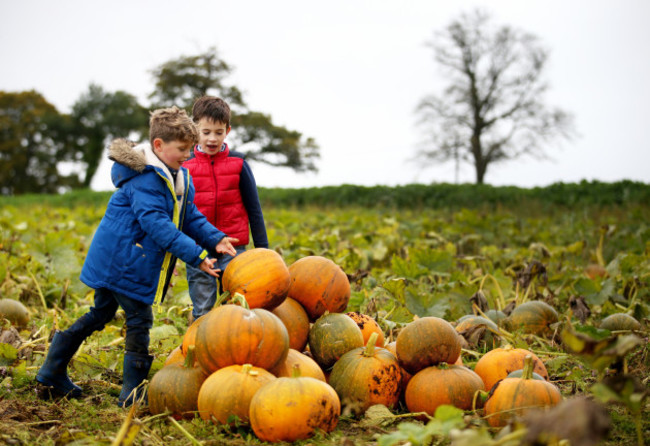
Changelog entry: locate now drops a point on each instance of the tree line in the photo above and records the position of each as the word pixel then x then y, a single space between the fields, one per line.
pixel 42 149
pixel 492 110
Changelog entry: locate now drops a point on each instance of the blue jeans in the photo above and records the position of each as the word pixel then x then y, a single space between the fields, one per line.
pixel 203 287
pixel 139 319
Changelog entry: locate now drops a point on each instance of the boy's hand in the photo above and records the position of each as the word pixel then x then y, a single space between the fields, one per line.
pixel 207 266
pixel 225 246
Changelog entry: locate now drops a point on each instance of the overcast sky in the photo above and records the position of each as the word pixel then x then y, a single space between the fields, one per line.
pixel 349 74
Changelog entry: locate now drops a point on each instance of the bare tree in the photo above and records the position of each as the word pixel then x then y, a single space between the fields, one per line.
pixel 492 109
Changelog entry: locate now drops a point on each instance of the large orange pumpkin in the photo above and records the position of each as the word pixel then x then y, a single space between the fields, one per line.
pixel 290 409
pixel 175 388
pixel 227 393
pixel 513 397
pixel 442 384
pixel 231 334
pixel 331 336
pixel 190 335
pixel 368 326
pixel 406 376
pixel 496 364
pixel 295 318
pixel 425 342
pixel 307 366
pixel 366 376
pixel 259 274
pixel 320 285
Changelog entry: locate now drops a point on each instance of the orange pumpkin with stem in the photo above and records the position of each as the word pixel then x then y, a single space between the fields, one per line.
pixel 295 318
pixel 290 409
pixel 233 334
pixel 261 275
pixel 176 387
pixel 308 367
pixel 227 393
pixel 513 397
pixel 366 376
pixel 496 364
pixel 319 285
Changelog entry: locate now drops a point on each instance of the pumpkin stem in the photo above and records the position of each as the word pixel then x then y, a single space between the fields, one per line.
pixel 246 368
pixel 528 368
pixel 240 299
pixel 295 371
pixel 370 346
pixel 189 357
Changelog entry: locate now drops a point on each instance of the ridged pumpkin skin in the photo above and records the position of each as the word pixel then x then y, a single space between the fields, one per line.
pixel 368 326
pixel 307 366
pixel 290 409
pixel 189 338
pixel 367 376
pixel 444 384
pixel 231 334
pixel 406 376
pixel 331 336
pixel 515 396
pixel 259 274
pixel 532 317
pixel 295 318
pixel 319 285
pixel 176 387
pixel 496 364
pixel 620 322
pixel 425 342
pixel 229 391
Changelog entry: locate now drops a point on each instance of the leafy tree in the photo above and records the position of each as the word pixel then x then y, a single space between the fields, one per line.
pixel 181 81
pixel 493 108
pixel 33 141
pixel 100 116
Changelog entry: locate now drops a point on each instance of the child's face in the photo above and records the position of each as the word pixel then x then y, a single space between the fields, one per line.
pixel 172 153
pixel 211 135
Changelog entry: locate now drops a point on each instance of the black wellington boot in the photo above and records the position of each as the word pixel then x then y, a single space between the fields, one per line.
pixel 54 371
pixel 136 370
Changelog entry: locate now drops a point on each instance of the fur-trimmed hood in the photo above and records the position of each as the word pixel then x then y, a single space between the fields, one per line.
pixel 132 160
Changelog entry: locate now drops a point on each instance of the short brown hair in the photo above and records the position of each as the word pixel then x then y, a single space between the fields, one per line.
pixel 172 124
pixel 212 108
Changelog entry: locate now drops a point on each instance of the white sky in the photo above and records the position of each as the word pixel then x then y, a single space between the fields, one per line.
pixel 349 73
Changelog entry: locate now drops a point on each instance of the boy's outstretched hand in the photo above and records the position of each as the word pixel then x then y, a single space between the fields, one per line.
pixel 206 266
pixel 225 246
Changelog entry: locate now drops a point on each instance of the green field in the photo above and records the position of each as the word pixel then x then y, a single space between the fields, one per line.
pixel 408 251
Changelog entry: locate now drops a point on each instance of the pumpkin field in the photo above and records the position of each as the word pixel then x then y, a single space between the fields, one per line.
pixel 388 325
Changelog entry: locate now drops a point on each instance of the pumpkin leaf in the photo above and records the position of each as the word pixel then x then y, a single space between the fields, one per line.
pixel 425 303
pixel 8 354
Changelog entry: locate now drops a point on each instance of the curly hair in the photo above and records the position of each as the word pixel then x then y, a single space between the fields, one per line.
pixel 172 124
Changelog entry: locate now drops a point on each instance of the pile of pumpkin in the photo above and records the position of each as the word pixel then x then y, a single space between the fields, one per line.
pixel 283 357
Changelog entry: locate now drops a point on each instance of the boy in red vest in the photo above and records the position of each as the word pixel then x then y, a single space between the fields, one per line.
pixel 226 194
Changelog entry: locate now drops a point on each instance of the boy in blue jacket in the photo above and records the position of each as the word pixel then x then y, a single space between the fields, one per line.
pixel 149 222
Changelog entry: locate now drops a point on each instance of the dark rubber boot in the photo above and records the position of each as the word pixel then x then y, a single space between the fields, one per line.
pixel 54 371
pixel 136 370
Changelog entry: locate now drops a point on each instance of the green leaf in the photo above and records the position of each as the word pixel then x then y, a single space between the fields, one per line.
pixel 8 354
pixel 425 303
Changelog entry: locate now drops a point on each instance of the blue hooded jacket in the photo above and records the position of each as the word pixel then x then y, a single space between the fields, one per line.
pixel 149 222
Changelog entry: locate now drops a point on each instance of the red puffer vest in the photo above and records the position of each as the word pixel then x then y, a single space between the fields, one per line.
pixel 216 180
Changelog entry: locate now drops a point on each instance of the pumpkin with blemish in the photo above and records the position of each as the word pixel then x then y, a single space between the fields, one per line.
pixel 406 376
pixel 319 285
pixel 425 342
pixel 175 388
pixel 514 397
pixel 479 331
pixel 442 384
pixel 368 326
pixel 261 275
pixel 228 392
pixel 295 318
pixel 331 336
pixel 496 364
pixel 367 376
pixel 294 408
pixel 231 334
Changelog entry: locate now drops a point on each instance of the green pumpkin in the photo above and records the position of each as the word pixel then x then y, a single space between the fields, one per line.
pixel 331 336
pixel 534 317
